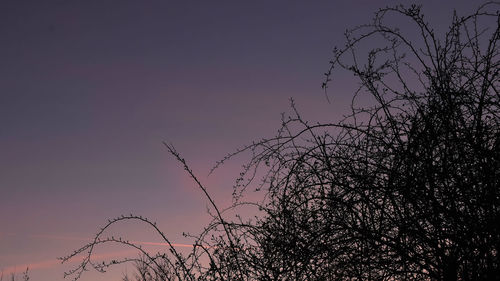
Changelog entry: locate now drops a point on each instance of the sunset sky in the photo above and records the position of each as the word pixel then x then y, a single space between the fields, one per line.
pixel 90 89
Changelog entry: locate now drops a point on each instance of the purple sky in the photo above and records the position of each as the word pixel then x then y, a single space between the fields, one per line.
pixel 90 89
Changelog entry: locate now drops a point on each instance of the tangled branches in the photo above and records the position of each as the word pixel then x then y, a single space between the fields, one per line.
pixel 406 188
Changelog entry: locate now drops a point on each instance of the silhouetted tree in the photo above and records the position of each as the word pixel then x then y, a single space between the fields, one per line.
pixel 406 187
pixel 25 276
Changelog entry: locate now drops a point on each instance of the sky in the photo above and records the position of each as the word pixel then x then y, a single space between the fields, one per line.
pixel 90 89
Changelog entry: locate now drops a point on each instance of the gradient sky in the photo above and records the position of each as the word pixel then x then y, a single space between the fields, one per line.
pixel 90 89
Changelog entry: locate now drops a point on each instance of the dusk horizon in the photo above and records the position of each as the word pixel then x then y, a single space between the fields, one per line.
pixel 94 94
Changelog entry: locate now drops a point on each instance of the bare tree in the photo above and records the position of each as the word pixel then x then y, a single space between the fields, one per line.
pixel 25 275
pixel 405 188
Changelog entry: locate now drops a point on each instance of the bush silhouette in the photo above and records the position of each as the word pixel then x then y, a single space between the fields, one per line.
pixel 405 188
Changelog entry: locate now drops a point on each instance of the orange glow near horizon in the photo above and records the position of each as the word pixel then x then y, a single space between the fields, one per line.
pixel 46 264
pixel 51 263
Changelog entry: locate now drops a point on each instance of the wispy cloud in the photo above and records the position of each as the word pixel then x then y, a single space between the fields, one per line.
pixel 74 238
pixel 162 244
pixel 51 263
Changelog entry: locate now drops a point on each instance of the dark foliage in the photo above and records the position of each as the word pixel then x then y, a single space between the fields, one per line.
pixel 405 188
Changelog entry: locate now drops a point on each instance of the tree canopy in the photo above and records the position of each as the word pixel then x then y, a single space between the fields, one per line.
pixel 405 187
